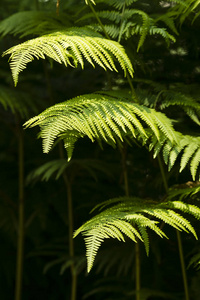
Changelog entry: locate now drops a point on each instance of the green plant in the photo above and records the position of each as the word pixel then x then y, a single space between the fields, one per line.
pixel 135 111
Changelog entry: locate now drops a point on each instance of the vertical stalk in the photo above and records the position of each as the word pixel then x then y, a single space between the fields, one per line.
pixel 57 7
pixel 137 249
pixel 20 228
pixel 71 240
pixel 71 229
pixel 183 269
pixel 137 270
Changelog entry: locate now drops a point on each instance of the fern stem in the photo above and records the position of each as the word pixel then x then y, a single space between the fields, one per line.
pixel 134 96
pixel 184 274
pixel 20 227
pixel 57 7
pixel 125 173
pixel 71 241
pixel 121 25
pixel 180 247
pixel 137 268
pixel 137 249
pixel 71 229
pixel 98 20
pixel 163 174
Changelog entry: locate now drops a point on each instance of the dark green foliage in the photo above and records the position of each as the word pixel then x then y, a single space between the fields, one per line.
pixel 144 102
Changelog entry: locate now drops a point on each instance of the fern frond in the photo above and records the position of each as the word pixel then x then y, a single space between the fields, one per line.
pixel 183 11
pixel 33 22
pixel 101 118
pixel 70 47
pixel 169 21
pixel 195 261
pixel 17 102
pixel 133 22
pixel 118 4
pixel 49 169
pixel 186 147
pixel 189 189
pixel 189 151
pixel 186 102
pixel 132 216
pixel 185 207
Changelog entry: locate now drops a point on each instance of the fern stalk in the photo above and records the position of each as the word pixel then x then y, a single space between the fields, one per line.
pixel 71 229
pixel 98 20
pixel 180 247
pixel 121 25
pixel 137 249
pixel 20 228
pixel 137 270
pixel 71 241
pixel 57 7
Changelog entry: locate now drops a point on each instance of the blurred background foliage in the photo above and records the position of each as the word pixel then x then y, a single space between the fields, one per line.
pixel 94 175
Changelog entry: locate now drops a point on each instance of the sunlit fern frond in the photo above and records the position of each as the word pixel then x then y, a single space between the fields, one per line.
pixel 187 149
pixel 132 217
pixel 70 47
pixel 17 102
pixel 26 23
pixel 99 117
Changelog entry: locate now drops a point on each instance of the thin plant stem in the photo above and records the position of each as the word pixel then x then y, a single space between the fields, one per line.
pixel 183 265
pixel 57 7
pixel 137 249
pixel 20 227
pixel 180 247
pixel 71 229
pixel 137 270
pixel 99 20
pixel 71 240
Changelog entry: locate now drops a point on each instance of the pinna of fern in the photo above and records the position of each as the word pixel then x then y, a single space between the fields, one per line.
pixel 102 118
pixel 131 217
pixel 70 47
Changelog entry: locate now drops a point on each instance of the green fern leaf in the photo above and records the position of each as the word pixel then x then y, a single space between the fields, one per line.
pixel 69 47
pixel 101 118
pixel 195 163
pixel 189 151
pixel 132 216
